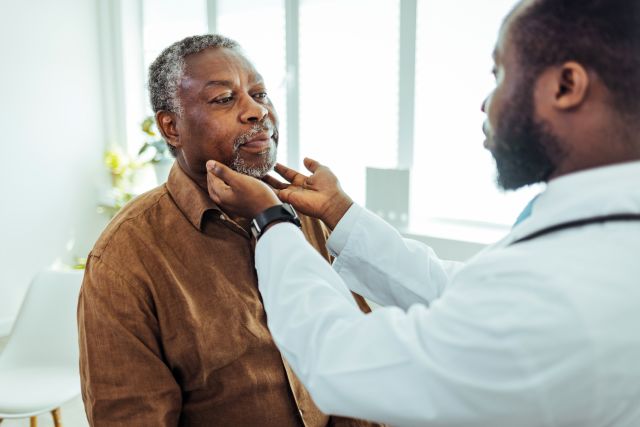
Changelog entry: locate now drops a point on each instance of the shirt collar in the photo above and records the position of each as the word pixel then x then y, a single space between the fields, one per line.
pixel 190 198
pixel 594 192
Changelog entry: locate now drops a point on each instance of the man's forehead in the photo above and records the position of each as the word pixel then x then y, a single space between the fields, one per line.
pixel 219 64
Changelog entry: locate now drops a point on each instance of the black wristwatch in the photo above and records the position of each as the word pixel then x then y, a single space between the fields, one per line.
pixel 283 212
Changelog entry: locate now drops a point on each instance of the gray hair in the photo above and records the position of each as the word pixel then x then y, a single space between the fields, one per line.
pixel 168 69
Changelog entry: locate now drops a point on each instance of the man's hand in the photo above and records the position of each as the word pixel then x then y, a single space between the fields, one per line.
pixel 238 194
pixel 318 195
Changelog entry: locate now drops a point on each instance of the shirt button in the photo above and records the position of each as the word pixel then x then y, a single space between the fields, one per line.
pixel 222 217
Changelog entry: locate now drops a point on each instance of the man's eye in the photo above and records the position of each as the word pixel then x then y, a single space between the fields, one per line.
pixel 260 95
pixel 223 100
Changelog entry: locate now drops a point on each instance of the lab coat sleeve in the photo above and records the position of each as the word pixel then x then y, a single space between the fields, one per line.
pixel 376 262
pixel 446 365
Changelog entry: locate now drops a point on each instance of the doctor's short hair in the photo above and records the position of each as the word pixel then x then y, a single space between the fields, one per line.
pixel 602 35
pixel 168 69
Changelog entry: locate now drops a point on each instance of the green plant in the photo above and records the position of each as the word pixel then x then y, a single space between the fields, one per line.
pixel 122 170
pixel 80 263
pixel 154 145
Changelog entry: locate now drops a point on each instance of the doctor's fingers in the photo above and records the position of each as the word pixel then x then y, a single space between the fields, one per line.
pixel 291 175
pixel 218 190
pixel 224 173
pixel 293 195
pixel 311 164
pixel 274 183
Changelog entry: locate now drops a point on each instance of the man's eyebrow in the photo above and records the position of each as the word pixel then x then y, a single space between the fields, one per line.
pixel 226 83
pixel 257 78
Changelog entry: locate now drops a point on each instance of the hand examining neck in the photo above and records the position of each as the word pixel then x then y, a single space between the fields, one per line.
pixel 319 195
pixel 238 194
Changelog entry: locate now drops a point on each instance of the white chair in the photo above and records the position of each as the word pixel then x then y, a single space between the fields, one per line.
pixel 39 366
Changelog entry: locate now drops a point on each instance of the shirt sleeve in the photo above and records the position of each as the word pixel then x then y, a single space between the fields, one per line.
pixel 456 363
pixel 124 378
pixel 376 262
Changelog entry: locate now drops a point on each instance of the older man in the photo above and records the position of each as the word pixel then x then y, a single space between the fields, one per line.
pixel 172 328
pixel 541 329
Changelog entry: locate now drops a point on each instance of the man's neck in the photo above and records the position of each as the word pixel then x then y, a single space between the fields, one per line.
pixel 197 177
pixel 201 180
pixel 599 149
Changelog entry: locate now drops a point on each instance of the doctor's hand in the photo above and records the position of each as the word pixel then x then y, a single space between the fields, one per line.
pixel 318 195
pixel 238 194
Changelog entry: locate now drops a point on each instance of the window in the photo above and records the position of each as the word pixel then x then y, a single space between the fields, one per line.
pixel 167 21
pixel 349 86
pixel 453 176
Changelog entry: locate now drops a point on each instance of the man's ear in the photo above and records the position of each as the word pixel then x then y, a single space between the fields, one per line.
pixel 572 82
pixel 168 127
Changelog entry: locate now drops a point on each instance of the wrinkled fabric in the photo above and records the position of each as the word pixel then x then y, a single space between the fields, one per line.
pixel 538 333
pixel 171 325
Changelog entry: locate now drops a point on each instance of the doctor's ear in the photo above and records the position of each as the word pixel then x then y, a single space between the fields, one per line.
pixel 168 127
pixel 570 84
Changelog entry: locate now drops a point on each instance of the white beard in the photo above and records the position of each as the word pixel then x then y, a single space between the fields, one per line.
pixel 268 161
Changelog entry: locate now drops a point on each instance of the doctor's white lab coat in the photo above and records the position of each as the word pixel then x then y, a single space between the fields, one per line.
pixel 539 333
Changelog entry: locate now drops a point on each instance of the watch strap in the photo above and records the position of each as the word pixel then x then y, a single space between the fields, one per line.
pixel 281 213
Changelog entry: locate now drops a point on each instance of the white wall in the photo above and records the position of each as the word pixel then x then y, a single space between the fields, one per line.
pixel 52 139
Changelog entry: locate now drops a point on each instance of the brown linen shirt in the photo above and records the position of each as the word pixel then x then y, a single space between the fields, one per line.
pixel 172 329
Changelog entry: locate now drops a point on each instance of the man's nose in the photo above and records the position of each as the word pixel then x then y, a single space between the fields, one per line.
pixel 483 107
pixel 253 111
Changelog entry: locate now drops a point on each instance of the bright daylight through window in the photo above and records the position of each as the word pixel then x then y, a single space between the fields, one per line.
pixel 453 176
pixel 347 72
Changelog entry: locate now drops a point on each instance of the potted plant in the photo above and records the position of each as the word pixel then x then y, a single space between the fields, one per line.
pixel 155 150
pixel 123 171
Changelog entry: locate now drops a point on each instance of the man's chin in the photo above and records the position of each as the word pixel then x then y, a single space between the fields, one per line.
pixel 256 166
pixel 254 169
pixel 513 175
pixel 509 184
pixel 258 172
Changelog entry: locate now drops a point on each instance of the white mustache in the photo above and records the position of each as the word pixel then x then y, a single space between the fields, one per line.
pixel 265 126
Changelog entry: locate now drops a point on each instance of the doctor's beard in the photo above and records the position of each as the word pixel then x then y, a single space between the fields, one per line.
pixel 525 149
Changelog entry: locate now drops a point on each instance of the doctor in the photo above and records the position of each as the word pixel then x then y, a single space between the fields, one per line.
pixel 541 329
